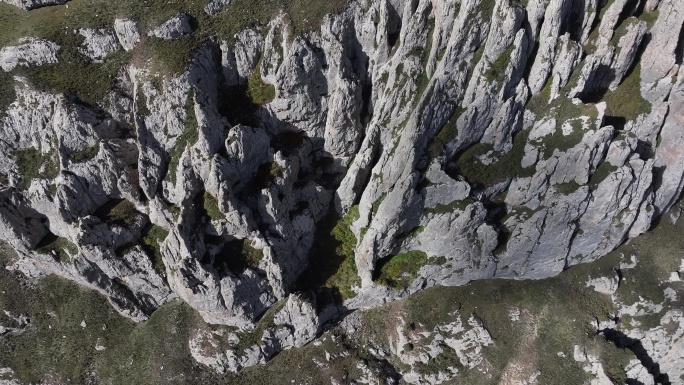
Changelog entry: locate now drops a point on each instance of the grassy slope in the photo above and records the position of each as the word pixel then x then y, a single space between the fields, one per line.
pixel 560 308
pixel 74 73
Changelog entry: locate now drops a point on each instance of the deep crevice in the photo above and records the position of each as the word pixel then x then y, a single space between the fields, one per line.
pixel 679 51
pixel 622 341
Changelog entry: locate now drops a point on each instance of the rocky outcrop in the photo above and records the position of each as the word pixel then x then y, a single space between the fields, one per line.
pixel 175 27
pixel 215 6
pixel 98 43
pixel 472 138
pixel 127 33
pixel 31 4
pixel 29 52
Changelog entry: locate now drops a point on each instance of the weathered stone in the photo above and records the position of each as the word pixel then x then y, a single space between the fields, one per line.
pixel 30 52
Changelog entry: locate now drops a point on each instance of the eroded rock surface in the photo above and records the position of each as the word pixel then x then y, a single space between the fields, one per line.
pixel 440 131
pixel 29 52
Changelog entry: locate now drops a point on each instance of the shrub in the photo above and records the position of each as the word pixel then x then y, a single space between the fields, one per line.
pixel 34 164
pixel 84 155
pixel 61 248
pixel 258 91
pixel 626 101
pixel 211 207
pixel 152 236
pixel 331 258
pixel 122 213
pixel 398 271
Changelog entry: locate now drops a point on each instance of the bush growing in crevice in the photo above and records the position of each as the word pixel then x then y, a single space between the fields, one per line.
pixel 468 165
pixel 211 207
pixel 33 164
pixel 84 155
pixel 331 258
pixel 120 212
pixel 61 248
pixel 398 271
pixel 152 236
pixel 236 256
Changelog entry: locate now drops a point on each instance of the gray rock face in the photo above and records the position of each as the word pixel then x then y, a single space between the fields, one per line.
pixel 175 27
pixel 127 33
pixel 31 4
pixel 30 52
pixel 98 43
pixel 215 6
pixel 439 123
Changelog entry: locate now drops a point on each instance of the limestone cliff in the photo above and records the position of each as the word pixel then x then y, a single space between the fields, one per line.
pixel 460 140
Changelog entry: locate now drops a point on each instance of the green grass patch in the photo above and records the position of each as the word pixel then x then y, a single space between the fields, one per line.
pixel 507 166
pixel 445 135
pixel 398 271
pixel 238 255
pixel 539 102
pixel 559 141
pixel 259 91
pixel 152 237
pixel 91 81
pixel 253 337
pixel 122 213
pixel 626 101
pixel 376 205
pixel 7 92
pixel 650 18
pixel 331 259
pixel 486 8
pixel 567 188
pixel 61 248
pixel 211 207
pixel 33 164
pixel 84 155
pixel 497 70
pixel 602 172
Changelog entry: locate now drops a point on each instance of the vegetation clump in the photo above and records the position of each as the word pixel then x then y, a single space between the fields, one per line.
pixel 626 101
pixel 238 255
pixel 469 165
pixel 33 164
pixel 60 247
pixel 121 213
pixel 211 207
pixel 84 155
pixel 258 91
pixel 332 265
pixel 602 172
pixel 76 74
pixel 445 135
pixel 7 92
pixel 152 237
pixel 400 270
pixel 497 70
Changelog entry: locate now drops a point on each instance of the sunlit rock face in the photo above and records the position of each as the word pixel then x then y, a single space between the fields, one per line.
pixel 461 140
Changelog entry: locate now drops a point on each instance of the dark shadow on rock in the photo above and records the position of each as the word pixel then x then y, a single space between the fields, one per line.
pixel 622 341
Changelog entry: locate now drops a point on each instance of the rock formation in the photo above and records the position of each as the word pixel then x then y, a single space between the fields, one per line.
pixel 475 139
